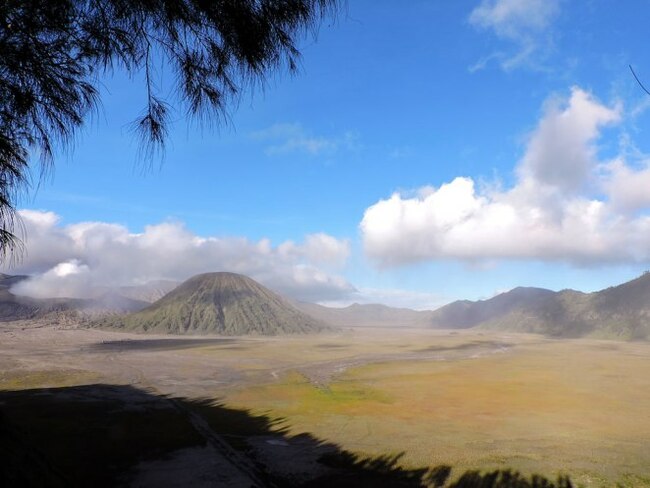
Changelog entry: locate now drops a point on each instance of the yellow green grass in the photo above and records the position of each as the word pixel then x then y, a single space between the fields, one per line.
pixel 576 407
pixel 27 379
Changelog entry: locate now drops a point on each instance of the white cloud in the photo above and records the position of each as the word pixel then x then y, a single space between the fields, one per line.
pixel 628 188
pixel 514 18
pixel 73 260
pixel 319 248
pixel 560 152
pixel 548 214
pixel 525 23
pixel 309 284
pixel 286 138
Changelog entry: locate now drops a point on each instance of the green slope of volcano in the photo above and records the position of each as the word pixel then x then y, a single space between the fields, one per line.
pixel 218 303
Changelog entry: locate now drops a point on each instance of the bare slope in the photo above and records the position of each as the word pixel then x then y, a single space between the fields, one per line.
pixel 218 303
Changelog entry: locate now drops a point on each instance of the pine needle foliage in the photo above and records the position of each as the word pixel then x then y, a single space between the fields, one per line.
pixel 53 53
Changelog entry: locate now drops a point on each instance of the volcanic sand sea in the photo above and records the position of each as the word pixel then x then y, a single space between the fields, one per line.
pixel 468 399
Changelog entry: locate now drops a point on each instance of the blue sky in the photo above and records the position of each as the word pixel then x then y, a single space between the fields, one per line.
pixel 426 151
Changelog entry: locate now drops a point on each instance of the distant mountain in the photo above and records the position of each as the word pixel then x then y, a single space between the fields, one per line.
pixel 17 307
pixel 464 314
pixel 623 310
pixel 370 315
pixel 14 307
pixel 111 302
pixel 218 303
pixel 619 312
pixel 227 303
pixel 149 292
pixel 7 281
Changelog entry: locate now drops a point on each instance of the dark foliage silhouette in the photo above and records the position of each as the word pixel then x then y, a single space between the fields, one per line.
pixel 94 435
pixel 53 54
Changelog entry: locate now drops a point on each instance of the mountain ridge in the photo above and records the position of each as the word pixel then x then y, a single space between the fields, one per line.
pixel 619 312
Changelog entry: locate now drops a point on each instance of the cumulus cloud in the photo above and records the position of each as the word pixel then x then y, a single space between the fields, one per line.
pixel 286 138
pixel 319 248
pixel 566 205
pixel 521 22
pixel 561 151
pixel 75 260
pixel 628 188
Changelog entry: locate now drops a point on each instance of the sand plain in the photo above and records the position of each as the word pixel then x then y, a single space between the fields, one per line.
pixel 471 400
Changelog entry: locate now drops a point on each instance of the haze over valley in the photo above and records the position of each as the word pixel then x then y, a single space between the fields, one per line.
pixel 225 303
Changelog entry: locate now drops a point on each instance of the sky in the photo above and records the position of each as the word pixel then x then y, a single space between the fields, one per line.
pixel 426 151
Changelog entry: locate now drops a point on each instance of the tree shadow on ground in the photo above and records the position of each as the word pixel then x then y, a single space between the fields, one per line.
pixel 98 435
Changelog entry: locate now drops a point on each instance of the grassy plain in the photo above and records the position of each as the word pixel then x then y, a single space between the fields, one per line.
pixel 472 400
pixel 577 407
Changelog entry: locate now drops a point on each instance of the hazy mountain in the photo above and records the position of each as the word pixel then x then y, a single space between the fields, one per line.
pixel 218 303
pixel 14 307
pixel 110 303
pixel 7 281
pixel 463 314
pixel 18 307
pixel 149 292
pixel 563 314
pixel 370 315
pixel 107 300
pixel 621 311
pixel 227 303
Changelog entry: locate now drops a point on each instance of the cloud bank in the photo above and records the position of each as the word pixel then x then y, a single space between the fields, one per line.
pixel 566 204
pixel 75 260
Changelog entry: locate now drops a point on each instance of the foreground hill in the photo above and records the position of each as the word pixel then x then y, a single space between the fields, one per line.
pixel 619 312
pixel 367 315
pixel 218 303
